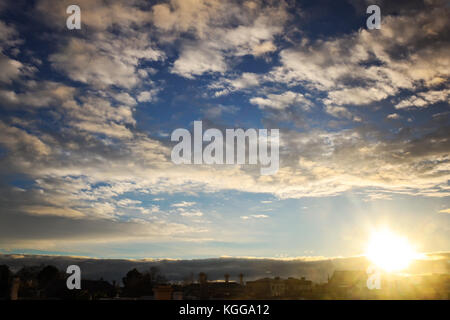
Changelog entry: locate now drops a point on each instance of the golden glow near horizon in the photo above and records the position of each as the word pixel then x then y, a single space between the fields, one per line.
pixel 389 251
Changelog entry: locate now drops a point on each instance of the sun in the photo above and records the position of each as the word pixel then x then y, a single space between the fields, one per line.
pixel 389 251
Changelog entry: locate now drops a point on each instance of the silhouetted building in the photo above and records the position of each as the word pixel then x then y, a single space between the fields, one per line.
pixel 347 284
pixel 298 287
pixel 218 290
pixel 266 288
pixel 15 288
pixel 177 295
pixel 163 292
pixel 202 278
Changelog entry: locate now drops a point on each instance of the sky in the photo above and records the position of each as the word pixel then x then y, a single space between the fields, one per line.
pixel 86 117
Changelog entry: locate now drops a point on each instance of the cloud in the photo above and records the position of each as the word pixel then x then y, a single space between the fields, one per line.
pixel 50 231
pixel 358 96
pixel 128 202
pixel 254 216
pixel 424 99
pixel 79 142
pixel 147 96
pixel 105 60
pixel 11 69
pixel 52 211
pixel 125 98
pixel 192 214
pixel 9 36
pixel 195 60
pixel 378 196
pixel 341 112
pixel 152 210
pixel 111 51
pixel 22 144
pixel 182 16
pixel 365 67
pixel 113 130
pixel 264 47
pixel 97 15
pixel 215 112
pixel 228 85
pixel 393 116
pixel 183 204
pixel 220 32
pixel 314 164
pixel 282 101
pixel 38 94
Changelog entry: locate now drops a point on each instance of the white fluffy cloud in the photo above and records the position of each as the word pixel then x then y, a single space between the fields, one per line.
pixel 11 69
pixel 195 60
pixel 341 112
pixel 342 66
pixel 393 116
pixel 104 61
pixel 220 31
pixel 147 96
pixel 183 204
pixel 282 101
pixel 425 99
pixel 227 85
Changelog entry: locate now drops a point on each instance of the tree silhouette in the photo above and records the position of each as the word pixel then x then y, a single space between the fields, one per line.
pixel 47 276
pixel 5 281
pixel 137 284
pixel 132 283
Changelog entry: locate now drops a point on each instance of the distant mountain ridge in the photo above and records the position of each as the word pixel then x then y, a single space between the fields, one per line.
pixel 215 268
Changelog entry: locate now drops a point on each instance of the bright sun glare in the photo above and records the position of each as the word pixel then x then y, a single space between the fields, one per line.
pixel 389 251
